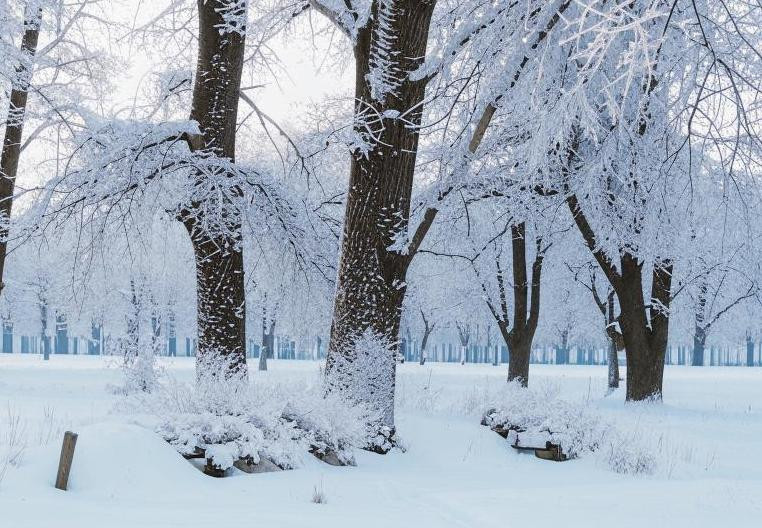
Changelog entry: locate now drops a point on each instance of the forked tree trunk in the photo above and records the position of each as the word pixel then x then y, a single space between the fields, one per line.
pixel 371 277
pixel 218 253
pixel 525 315
pixel 14 128
pixel 464 334
pixel 526 305
pixel 645 329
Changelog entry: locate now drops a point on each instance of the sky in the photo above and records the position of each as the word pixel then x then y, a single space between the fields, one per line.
pixel 308 78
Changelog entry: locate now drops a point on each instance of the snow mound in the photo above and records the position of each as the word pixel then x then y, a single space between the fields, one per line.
pixel 111 460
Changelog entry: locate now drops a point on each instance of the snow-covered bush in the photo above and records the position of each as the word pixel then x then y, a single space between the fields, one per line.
pixel 574 427
pixel 327 426
pixel 234 420
pixel 140 370
pixel 364 376
pixel 365 373
pixel 579 430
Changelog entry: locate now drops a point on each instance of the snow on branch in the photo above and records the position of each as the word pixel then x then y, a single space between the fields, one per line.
pixel 233 13
pixel 122 171
pixel 348 16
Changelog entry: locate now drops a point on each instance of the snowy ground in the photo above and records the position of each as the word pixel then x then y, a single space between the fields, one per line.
pixel 708 434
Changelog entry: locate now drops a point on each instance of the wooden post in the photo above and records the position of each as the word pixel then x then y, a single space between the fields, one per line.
pixel 64 464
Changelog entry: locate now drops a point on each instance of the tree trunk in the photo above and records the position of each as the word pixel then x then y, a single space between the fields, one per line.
pixel 613 337
pixel 268 343
pixel 526 305
pixel 699 345
pixel 216 237
pixel 265 345
pixel 424 342
pixel 464 333
pixel 562 352
pixel 133 328
pixel 44 328
pixel 14 128
pixel 699 334
pixel 749 351
pixel 644 340
pixel 371 277
pixel 518 366
pixel 613 359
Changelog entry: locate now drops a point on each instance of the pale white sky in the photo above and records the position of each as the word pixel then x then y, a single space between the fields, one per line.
pixel 309 78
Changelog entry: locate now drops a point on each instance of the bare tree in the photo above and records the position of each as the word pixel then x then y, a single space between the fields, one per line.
pixel 518 336
pixel 428 328
pixel 711 304
pixel 606 306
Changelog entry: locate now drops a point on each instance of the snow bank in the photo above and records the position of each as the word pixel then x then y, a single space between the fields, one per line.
pixel 111 460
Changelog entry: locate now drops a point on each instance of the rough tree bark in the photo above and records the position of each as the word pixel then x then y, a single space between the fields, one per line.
pixel 644 326
pixel 371 276
pixel 14 128
pixel 218 252
pixel 526 302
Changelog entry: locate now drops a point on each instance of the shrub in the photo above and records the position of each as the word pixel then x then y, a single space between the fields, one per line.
pixel 234 420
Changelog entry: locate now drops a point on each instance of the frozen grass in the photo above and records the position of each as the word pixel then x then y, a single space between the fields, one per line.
pixel 18 435
pixel 318 494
